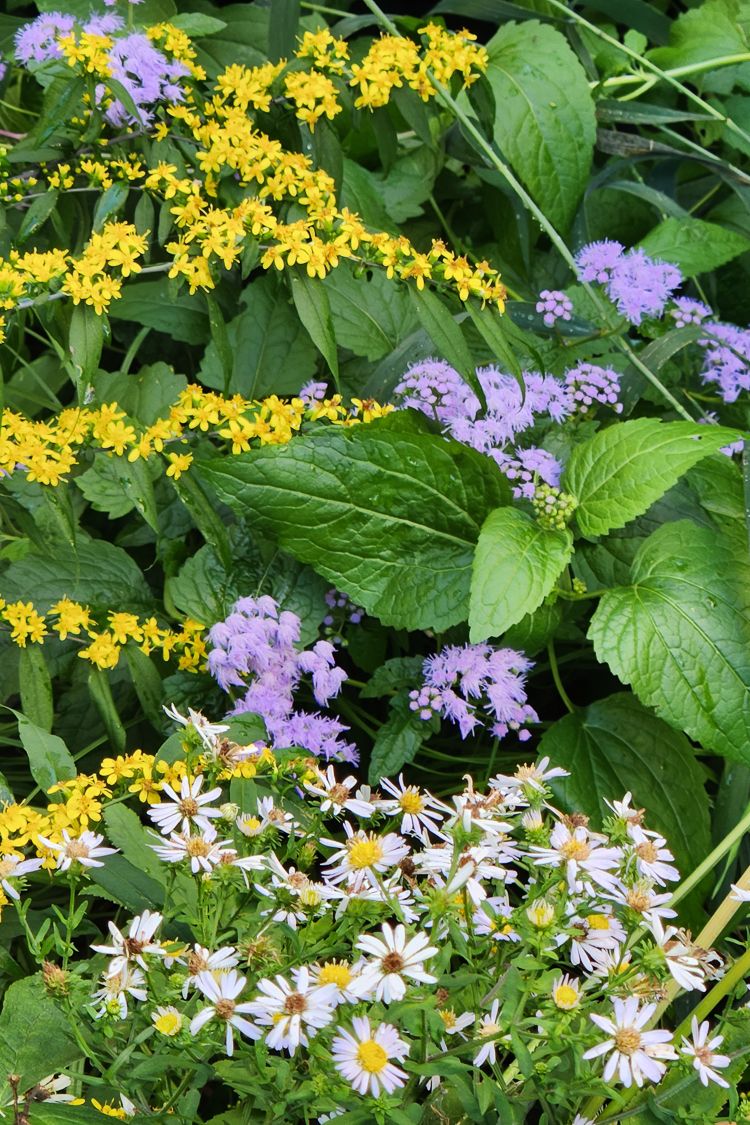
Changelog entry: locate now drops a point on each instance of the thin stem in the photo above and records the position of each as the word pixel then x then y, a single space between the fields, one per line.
pixel 679 71
pixel 556 677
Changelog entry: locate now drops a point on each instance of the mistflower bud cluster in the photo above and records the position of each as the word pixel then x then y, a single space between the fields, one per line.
pixel 687 311
pixel 589 384
pixel 553 508
pixel 554 305
pixel 342 611
pixel 476 685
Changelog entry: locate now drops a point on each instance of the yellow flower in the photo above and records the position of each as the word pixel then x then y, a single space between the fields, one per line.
pixel 179 463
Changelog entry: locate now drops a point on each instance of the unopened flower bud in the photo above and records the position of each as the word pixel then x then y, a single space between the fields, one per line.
pixel 55 979
pixel 541 914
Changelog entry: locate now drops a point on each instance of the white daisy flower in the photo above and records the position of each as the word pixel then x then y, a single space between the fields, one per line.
pixel 682 963
pixel 337 795
pixel 609 963
pixel 201 960
pixel 491 919
pixel 489 1029
pixel 581 854
pixel 394 960
pixel 190 807
pixel 591 933
pixel 739 894
pixel 479 810
pixel 420 812
pixel 624 810
pixel 273 816
pixel 204 851
pixel 139 941
pixel 653 858
pixel 470 869
pixel 296 896
pixel 566 992
pixel 340 974
pixel 15 867
pixel 533 777
pixel 456 1025
pixel 363 1056
pixel 54 1088
pixel 114 992
pixel 398 898
pixel 641 898
pixel 83 849
pixel 365 855
pixel 293 1011
pixel 635 1055
pixel 208 732
pixel 167 1020
pixel 703 1053
pixel 222 992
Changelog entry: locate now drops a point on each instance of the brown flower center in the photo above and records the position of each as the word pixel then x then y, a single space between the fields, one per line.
pixel 627 1040
pixel 196 964
pixel 294 1004
pixel 338 794
pixel 189 807
pixel 225 1009
pixel 393 963
pixel 647 851
pixel 197 846
pixel 75 849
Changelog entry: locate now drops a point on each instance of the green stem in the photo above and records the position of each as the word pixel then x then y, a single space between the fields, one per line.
pixel 711 860
pixel 679 71
pixel 556 677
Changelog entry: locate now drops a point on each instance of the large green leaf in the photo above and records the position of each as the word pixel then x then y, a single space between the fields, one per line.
pixel 371 313
pixel 544 114
pixel 35 1038
pixel 153 303
pixel 693 245
pixel 516 564
pixel 146 396
pixel 397 741
pixel 50 760
pixel 621 471
pixel 387 512
pixel 709 31
pixel 615 746
pixel 95 573
pixel 680 635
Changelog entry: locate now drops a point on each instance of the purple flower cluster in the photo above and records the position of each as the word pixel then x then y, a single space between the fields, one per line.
pixel 476 685
pixel 726 359
pixel 525 468
pixel 555 305
pixel 637 284
pixel 144 71
pixel 254 649
pixel 688 311
pixel 343 612
pixel 589 384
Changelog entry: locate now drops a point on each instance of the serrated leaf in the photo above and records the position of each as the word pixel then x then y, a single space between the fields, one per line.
pixel 125 831
pixel 694 245
pixel 50 760
pixel 619 473
pixel 516 564
pixel 399 672
pixel 182 317
pixel 544 124
pixel 93 572
pixel 35 1037
pixel 390 516
pixel 36 686
pixel 680 635
pixel 616 746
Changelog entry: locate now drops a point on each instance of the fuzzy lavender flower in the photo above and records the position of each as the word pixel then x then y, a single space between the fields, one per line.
pixel 640 286
pixel 104 24
pixel 36 42
pixel 526 468
pixel 146 74
pixel 598 260
pixel 313 392
pixel 589 383
pixel 555 305
pixel 727 359
pixel 254 649
pixel 476 685
pixel 688 311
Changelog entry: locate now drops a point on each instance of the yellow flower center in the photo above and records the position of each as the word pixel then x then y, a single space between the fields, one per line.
pixel 371 1056
pixel 335 972
pixel 365 853
pixel 168 1023
pixel 410 801
pixel 189 807
pixel 647 851
pixel 597 922
pixel 576 849
pixel 627 1040
pixel 487 1030
pixel 7 867
pixel 565 996
pixel 250 824
pixel 196 845
pixel 448 1017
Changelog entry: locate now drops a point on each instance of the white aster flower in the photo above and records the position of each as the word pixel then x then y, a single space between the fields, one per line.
pixel 83 849
pixel 222 992
pixel 456 1025
pixel 479 810
pixel 703 1053
pixel 167 1020
pixel 208 732
pixel 682 963
pixel 364 1056
pixel 293 1011
pixel 491 919
pixel 190 807
pixel 739 894
pixel 470 868
pixel 139 941
pixel 566 992
pixel 592 933
pixel 340 974
pixel 581 854
pixel 365 855
pixel 489 1029
pixel 420 812
pixel 394 960
pixel 201 960
pixel 54 1088
pixel 534 777
pixel 337 795
pixel 635 1055
pixel 653 858
pixel 114 992
pixel 641 898
pixel 204 851
pixel 624 810
pixel 15 867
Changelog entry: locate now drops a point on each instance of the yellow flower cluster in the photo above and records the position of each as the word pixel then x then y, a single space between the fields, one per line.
pixel 48 449
pixel 117 246
pixel 104 645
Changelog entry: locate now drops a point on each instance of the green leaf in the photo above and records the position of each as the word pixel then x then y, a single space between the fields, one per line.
pixel 50 760
pixel 204 589
pixel 109 203
pixel 536 629
pixel 441 327
pixel 397 741
pixel 390 516
pixel 102 487
pixel 398 672
pixel 147 683
pixel 85 341
pixel 128 884
pixel 207 520
pixel 35 1038
pixel 372 314
pixel 282 28
pixel 182 317
pixel 314 309
pixel 680 635
pixel 409 183
pixel 272 352
pixel 93 572
pixel 36 686
pixel 220 341
pixel 614 746
pixel 489 324
pixel 694 245
pixel 621 471
pixel 101 693
pixel 125 831
pixel 37 215
pixel 707 32
pixel 146 396
pixel 197 24
pixel 545 124
pixel 59 1113
pixel 516 564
